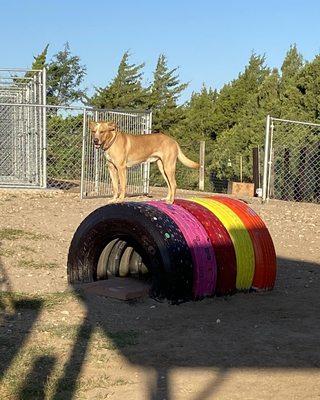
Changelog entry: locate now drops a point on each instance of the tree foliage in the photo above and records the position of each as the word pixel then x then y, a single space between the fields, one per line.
pixel 125 91
pixel 231 120
pixel 65 76
pixel 164 93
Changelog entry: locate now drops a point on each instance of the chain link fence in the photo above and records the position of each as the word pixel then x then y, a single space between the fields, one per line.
pixel 51 146
pixel 292 161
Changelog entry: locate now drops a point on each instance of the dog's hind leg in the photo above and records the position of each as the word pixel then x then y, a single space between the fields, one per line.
pixel 170 171
pixel 114 180
pixel 122 171
pixel 161 169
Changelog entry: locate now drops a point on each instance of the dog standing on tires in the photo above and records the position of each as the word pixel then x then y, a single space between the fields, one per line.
pixel 123 150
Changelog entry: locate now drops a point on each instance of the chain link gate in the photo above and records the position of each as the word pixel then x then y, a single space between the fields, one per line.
pixel 291 161
pixel 95 179
pixel 22 128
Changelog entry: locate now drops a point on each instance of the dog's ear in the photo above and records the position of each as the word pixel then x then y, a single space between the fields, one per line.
pixel 92 125
pixel 112 126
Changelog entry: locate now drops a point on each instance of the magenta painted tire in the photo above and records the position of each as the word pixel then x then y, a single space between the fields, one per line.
pixel 203 257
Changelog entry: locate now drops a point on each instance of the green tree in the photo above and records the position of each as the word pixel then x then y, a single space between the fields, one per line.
pixel 164 91
pixel 291 96
pixel 65 75
pixel 125 90
pixel 308 84
pixel 197 125
pixel 234 96
pixel 40 61
pixel 245 103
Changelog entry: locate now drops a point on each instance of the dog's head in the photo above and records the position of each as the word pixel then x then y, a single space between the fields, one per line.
pixel 101 132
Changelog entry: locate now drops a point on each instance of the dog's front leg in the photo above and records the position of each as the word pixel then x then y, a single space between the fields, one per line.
pixel 122 171
pixel 114 180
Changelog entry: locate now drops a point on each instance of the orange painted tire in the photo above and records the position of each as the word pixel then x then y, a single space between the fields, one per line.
pixel 265 256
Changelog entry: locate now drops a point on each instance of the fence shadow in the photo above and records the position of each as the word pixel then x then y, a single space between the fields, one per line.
pixel 276 330
pixel 24 312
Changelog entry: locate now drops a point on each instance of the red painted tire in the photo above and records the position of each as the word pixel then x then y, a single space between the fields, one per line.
pixel 222 245
pixel 265 256
pixel 203 256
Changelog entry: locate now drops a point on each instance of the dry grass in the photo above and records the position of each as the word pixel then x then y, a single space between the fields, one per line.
pixel 37 265
pixel 14 234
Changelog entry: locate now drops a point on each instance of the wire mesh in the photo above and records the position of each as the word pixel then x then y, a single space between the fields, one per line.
pixel 69 151
pixel 96 181
pixel 21 143
pixel 294 161
pixel 51 146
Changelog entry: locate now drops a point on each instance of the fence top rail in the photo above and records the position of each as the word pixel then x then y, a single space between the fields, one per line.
pixel 295 122
pixel 79 108
pixel 19 70
pixel 12 78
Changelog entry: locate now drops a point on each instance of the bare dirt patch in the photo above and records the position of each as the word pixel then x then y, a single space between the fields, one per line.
pixel 56 344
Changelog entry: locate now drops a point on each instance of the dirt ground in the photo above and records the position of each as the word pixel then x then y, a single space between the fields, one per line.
pixel 57 344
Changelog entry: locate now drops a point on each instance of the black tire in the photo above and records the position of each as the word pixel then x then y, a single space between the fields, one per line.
pixel 125 261
pixel 102 267
pixel 150 232
pixel 115 257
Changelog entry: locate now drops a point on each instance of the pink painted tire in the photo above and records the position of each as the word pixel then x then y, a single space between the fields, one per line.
pixel 199 243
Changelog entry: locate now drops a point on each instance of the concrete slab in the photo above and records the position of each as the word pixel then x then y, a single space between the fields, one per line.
pixel 118 288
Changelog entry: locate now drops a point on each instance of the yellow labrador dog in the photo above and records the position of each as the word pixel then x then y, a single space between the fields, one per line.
pixel 123 150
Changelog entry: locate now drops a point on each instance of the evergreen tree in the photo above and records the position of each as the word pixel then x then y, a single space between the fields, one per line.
pixel 125 90
pixel 290 94
pixel 245 102
pixel 197 125
pixel 65 75
pixel 233 96
pixel 199 116
pixel 40 61
pixel 308 84
pixel 164 93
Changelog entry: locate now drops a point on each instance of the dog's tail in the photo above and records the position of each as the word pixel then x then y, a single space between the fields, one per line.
pixel 186 161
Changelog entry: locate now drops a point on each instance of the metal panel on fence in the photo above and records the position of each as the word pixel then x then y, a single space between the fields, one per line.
pixel 95 180
pixel 292 161
pixel 21 127
pixel 20 146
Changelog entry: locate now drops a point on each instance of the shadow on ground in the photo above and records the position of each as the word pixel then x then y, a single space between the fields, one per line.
pixel 279 329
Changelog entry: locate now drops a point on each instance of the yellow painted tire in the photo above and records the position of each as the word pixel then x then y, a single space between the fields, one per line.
pixel 240 238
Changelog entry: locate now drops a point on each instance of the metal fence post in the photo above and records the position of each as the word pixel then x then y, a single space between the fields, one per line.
pixel 84 131
pixel 44 133
pixel 96 163
pixel 266 159
pixel 270 160
pixel 146 166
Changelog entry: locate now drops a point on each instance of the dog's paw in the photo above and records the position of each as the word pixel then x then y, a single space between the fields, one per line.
pixel 113 200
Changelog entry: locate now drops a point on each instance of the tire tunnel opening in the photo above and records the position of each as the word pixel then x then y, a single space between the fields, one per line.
pixel 122 257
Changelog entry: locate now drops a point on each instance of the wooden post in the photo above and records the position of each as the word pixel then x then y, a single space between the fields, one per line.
pixel 202 162
pixel 256 169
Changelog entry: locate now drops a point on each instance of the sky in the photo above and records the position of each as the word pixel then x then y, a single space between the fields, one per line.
pixel 210 41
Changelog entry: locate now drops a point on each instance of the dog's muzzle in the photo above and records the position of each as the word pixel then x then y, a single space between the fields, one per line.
pixel 97 145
